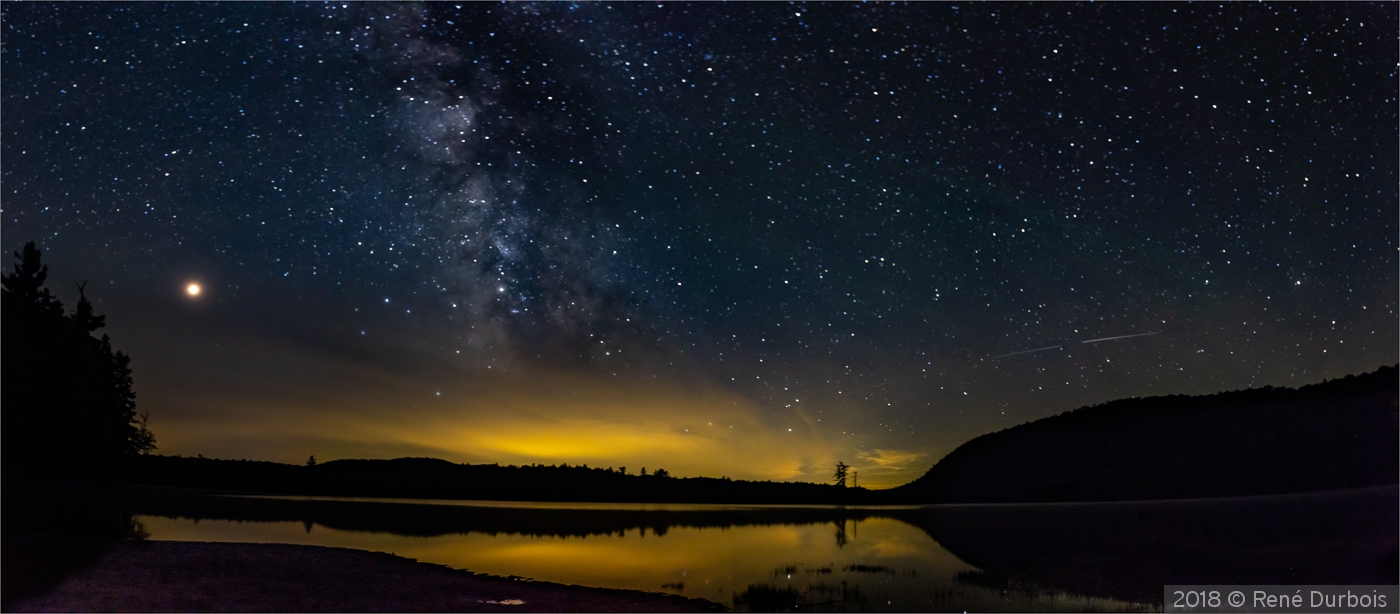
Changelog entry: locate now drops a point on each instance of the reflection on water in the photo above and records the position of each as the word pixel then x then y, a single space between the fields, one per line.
pixel 572 505
pixel 1059 557
pixel 865 563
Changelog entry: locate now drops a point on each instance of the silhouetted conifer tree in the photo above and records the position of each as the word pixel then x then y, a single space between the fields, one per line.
pixel 145 442
pixel 840 476
pixel 67 410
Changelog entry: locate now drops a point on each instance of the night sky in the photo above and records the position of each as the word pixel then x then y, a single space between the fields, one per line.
pixel 746 240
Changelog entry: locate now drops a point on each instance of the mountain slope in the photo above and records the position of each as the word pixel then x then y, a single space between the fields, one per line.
pixel 1333 435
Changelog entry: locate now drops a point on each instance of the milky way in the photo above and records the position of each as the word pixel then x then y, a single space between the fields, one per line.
pixel 889 227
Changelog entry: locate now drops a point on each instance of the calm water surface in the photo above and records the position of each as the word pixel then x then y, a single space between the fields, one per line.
pixel 857 564
pixel 1024 557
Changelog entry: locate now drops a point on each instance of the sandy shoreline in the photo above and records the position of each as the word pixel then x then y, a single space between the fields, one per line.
pixel 171 576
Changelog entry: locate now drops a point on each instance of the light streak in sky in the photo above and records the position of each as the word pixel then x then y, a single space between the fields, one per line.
pixel 1053 347
pixel 1118 337
pixel 875 386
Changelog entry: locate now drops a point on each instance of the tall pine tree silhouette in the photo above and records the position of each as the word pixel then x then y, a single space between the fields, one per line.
pixel 67 410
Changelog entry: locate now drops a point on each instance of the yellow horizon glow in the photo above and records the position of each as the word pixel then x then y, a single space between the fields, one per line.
pixel 545 418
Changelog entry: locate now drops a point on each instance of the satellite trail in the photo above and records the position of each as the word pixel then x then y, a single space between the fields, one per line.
pixel 874 387
pixel 1118 337
pixel 1053 347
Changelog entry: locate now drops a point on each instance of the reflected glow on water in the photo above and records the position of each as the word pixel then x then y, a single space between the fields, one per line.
pixel 870 565
pixel 570 505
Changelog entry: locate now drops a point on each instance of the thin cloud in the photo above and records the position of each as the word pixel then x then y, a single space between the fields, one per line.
pixel 890 460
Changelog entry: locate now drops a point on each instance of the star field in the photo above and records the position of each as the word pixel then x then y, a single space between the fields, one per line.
pixel 856 221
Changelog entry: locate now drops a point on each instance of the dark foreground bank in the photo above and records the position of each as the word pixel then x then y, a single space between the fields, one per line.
pixel 169 576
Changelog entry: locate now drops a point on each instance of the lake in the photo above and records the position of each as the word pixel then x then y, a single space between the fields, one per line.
pixel 870 564
pixel 1056 557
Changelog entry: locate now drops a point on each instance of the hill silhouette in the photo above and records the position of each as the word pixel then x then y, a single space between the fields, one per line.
pixel 1334 435
pixel 430 478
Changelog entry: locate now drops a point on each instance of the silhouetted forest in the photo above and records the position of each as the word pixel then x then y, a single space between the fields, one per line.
pixel 430 478
pixel 1334 435
pixel 68 409
pixel 429 519
pixel 69 414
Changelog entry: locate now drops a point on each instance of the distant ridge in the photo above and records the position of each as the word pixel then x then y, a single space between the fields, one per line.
pixel 431 478
pixel 1335 435
pixel 1338 434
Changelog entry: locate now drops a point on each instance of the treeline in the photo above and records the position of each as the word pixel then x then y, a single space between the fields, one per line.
pixel 428 478
pixel 1335 435
pixel 1338 434
pixel 69 411
pixel 432 519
